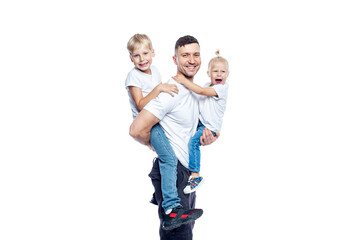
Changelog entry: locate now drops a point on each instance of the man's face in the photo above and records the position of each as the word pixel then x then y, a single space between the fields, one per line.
pixel 188 59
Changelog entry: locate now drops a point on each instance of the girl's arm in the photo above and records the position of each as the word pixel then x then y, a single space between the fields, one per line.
pixel 207 91
pixel 141 101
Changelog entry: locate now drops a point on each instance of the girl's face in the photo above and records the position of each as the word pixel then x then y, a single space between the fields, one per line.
pixel 218 72
pixel 142 58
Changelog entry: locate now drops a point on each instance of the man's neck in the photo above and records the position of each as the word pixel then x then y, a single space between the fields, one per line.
pixel 181 74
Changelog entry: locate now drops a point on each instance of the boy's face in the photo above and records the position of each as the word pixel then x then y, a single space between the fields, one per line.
pixel 218 72
pixel 142 58
pixel 188 59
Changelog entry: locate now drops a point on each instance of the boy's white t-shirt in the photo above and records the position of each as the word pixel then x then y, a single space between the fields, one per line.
pixel 141 80
pixel 212 109
pixel 179 117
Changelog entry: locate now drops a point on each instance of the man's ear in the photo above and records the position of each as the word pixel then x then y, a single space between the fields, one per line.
pixel 175 60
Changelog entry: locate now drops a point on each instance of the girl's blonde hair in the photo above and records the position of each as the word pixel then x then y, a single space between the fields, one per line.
pixel 218 58
pixel 137 40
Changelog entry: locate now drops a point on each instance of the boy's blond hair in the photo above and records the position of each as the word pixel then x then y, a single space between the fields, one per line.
pixel 218 58
pixel 137 40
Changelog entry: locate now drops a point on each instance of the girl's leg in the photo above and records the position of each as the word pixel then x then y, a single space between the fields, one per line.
pixel 194 149
pixel 168 167
pixel 195 179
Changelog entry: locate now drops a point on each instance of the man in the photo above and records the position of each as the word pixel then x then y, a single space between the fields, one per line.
pixel 178 116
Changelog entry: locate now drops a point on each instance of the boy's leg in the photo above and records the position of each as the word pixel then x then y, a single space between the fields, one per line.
pixel 168 165
pixel 184 232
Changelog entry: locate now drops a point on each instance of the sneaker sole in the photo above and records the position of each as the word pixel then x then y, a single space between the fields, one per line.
pixel 188 192
pixel 196 216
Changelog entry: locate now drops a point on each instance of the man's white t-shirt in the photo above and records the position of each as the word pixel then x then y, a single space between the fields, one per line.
pixel 179 117
pixel 141 80
pixel 212 109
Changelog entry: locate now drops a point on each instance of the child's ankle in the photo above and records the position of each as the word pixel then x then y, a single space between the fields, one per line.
pixel 195 174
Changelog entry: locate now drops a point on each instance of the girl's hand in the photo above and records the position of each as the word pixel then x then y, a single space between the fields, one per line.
pixel 180 79
pixel 169 88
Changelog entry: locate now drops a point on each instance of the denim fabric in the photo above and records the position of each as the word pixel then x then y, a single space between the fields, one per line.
pixel 168 164
pixel 194 149
pixel 184 232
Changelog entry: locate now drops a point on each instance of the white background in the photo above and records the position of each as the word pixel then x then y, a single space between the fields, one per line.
pixel 285 167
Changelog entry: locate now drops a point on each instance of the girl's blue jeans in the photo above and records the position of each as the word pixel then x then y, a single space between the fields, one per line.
pixel 168 167
pixel 194 148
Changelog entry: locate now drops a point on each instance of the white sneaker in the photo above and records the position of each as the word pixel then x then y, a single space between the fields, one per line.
pixel 193 184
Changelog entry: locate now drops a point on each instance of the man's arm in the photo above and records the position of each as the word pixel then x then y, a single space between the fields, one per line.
pixel 141 126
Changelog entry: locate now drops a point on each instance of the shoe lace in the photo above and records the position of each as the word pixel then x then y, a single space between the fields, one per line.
pixel 193 182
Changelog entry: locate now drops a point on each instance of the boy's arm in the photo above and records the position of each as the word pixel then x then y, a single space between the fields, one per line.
pixel 207 91
pixel 141 101
pixel 141 127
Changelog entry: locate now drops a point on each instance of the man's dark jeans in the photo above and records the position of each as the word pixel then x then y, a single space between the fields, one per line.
pixel 184 232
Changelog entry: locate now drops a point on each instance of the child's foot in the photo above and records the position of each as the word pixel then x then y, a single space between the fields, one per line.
pixel 193 184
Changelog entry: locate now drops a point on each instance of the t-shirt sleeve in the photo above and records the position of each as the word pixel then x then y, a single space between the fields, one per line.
pixel 161 105
pixel 221 90
pixel 133 80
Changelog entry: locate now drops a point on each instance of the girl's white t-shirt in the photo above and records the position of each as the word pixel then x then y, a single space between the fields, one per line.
pixel 212 109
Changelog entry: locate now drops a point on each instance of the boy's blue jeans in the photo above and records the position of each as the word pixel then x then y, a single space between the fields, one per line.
pixel 168 167
pixel 194 148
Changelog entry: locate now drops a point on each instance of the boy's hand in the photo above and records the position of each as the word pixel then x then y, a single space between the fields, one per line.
pixel 208 138
pixel 169 88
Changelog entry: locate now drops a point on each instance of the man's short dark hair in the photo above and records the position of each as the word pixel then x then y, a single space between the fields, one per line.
pixel 185 40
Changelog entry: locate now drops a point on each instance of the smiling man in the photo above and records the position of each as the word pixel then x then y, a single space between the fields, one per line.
pixel 178 116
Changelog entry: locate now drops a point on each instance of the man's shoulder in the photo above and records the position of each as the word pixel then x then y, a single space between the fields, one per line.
pixel 182 88
pixel 171 81
pixel 165 99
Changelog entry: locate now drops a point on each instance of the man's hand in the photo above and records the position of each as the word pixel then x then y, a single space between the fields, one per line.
pixel 151 148
pixel 208 138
